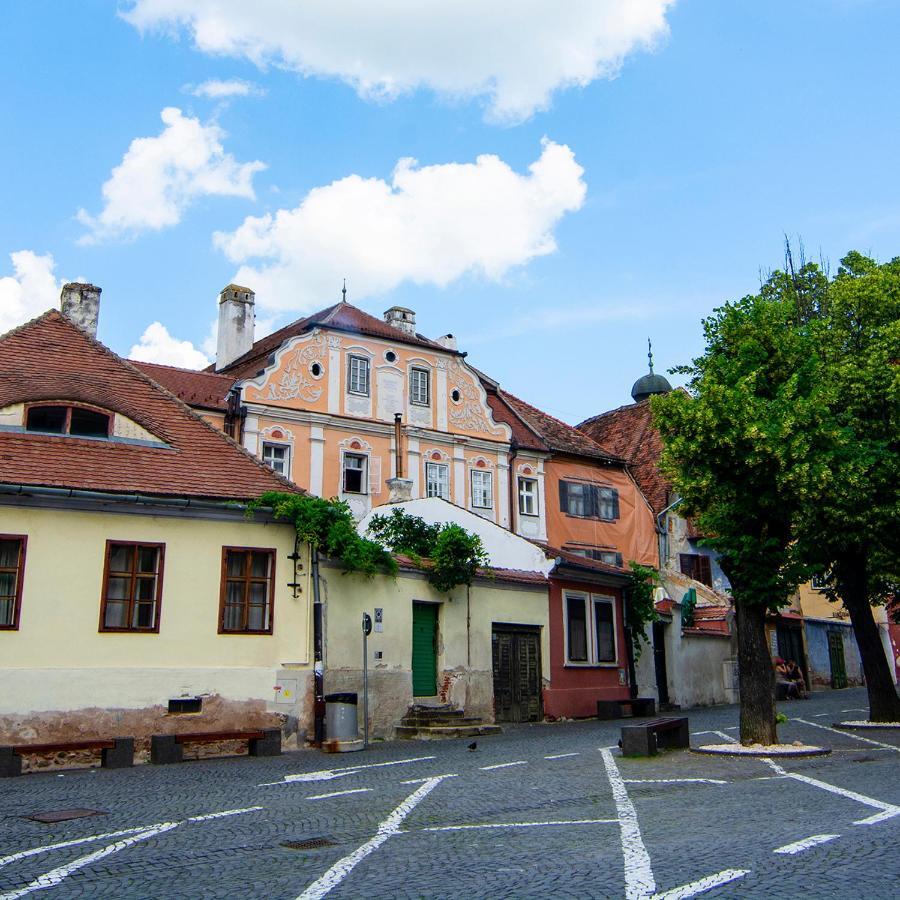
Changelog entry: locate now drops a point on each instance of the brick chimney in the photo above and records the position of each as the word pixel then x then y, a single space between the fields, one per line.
pixel 237 316
pixel 401 318
pixel 81 303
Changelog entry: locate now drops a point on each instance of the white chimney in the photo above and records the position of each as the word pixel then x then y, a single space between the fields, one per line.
pixel 81 304
pixel 448 341
pixel 402 318
pixel 236 319
pixel 399 490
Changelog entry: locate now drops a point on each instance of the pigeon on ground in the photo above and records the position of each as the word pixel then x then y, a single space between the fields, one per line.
pixel 473 746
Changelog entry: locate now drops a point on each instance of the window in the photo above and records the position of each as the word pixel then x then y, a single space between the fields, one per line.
pixel 528 505
pixel 358 375
pixel 354 478
pixel 696 566
pixel 75 420
pixel 590 629
pixel 820 582
pixel 588 501
pixel 482 489
pixel 12 570
pixel 419 387
pixel 278 457
pixel 610 557
pixel 248 583
pixel 437 480
pixel 132 587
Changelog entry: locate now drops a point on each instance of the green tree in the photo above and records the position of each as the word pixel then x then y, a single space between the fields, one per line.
pixel 848 524
pixel 740 449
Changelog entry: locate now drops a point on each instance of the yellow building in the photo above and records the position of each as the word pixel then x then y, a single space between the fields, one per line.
pixel 131 579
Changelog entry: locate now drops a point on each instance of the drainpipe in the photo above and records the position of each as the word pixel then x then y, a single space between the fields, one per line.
pixel 318 656
pixel 629 647
pixel 513 484
pixel 663 541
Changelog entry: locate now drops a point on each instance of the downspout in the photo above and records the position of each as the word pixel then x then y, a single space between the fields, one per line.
pixel 513 453
pixel 629 647
pixel 318 656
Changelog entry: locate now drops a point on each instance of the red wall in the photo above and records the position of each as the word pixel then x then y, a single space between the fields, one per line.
pixel 575 690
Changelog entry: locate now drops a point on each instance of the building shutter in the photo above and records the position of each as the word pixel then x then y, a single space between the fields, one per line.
pixel 704 571
pixel 563 496
pixel 615 504
pixel 375 475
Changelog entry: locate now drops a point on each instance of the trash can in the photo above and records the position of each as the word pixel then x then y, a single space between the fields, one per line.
pixel 340 717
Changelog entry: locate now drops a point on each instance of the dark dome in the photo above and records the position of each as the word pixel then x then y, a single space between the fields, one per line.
pixel 648 385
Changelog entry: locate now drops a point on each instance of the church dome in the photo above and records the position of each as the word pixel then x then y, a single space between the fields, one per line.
pixel 651 383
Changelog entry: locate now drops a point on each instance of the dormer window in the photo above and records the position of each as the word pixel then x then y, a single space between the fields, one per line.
pixel 74 420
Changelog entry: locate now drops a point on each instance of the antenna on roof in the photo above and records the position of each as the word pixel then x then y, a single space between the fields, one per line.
pixel 650 354
pixel 344 292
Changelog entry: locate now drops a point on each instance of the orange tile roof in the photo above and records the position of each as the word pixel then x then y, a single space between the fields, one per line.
pixel 50 358
pixel 206 390
pixel 629 432
pixel 341 317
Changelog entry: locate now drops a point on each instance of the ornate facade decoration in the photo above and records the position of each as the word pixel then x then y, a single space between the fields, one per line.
pixel 296 382
pixel 468 413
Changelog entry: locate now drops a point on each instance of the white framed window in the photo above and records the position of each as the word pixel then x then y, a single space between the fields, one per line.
pixel 528 496
pixel 420 387
pixel 277 457
pixel 590 629
pixel 482 489
pixel 437 480
pixel 588 501
pixel 354 477
pixel 610 557
pixel 358 375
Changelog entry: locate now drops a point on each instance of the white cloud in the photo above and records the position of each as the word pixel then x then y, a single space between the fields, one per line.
pixel 160 176
pixel 32 290
pixel 215 89
pixel 513 54
pixel 428 225
pixel 156 345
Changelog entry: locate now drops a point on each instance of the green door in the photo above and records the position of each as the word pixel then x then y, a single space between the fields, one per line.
pixel 424 649
pixel 836 654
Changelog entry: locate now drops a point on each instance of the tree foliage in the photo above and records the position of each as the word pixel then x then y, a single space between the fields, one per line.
pixel 328 526
pixel 640 610
pixel 455 554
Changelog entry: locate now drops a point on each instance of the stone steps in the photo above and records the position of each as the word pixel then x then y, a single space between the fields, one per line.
pixel 440 732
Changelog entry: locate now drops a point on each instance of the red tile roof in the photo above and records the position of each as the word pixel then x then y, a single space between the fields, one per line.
pixel 206 390
pixel 539 430
pixel 50 358
pixel 629 432
pixel 341 317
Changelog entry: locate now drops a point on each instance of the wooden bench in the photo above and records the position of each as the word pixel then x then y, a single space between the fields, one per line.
pixel 625 709
pixel 116 753
pixel 645 739
pixel 169 748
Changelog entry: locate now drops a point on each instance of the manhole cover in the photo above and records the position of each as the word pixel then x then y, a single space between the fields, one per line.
pixel 63 815
pixel 309 844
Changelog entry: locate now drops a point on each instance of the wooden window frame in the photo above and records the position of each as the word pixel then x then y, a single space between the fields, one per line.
pixel 591 600
pixel 351 357
pixel 699 562
pixel 109 629
pixel 523 480
pixel 420 371
pixel 273 553
pixel 68 406
pixel 279 445
pixel 490 492
pixel 20 579
pixel 364 470
pixel 435 464
pixel 592 498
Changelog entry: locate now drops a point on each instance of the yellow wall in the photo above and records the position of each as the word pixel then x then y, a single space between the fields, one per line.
pixel 816 604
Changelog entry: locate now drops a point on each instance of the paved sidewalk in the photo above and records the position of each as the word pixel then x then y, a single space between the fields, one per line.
pixel 542 810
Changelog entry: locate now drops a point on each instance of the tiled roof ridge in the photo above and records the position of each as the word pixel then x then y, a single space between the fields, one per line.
pixel 146 362
pixel 610 412
pixel 503 394
pixel 53 314
pixel 18 329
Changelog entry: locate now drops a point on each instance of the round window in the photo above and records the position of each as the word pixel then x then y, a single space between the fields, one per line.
pixel 390 356
pixel 316 370
pixel 455 396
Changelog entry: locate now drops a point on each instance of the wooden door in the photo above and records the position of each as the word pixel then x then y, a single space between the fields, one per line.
pixel 424 649
pixel 517 673
pixel 659 662
pixel 836 656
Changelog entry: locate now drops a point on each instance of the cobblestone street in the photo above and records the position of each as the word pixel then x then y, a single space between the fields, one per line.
pixel 541 810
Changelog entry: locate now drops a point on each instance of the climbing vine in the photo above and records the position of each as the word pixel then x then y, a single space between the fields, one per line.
pixel 455 554
pixel 328 526
pixel 640 608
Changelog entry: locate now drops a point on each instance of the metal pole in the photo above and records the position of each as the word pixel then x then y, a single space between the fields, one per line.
pixel 318 654
pixel 365 689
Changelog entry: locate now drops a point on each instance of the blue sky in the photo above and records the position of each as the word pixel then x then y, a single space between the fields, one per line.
pixel 705 131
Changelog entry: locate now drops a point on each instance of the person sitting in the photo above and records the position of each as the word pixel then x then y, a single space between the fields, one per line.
pixel 795 676
pixel 787 686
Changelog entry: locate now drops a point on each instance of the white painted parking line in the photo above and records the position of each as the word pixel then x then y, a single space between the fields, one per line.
pixel 806 843
pixel 339 794
pixel 819 715
pixel 223 815
pixel 55 876
pixel 702 885
pixel 329 774
pixel 888 810
pixel 674 781
pixel 855 709
pixel 423 780
pixel 389 827
pixel 518 825
pixel 561 755
pixel 639 881
pixel 518 762
pixel 849 734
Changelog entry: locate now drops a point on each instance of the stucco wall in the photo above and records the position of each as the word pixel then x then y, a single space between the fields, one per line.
pixel 58 667
pixel 465 676
pixel 818 658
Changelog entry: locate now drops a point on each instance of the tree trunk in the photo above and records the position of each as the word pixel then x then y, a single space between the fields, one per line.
pixel 756 675
pixel 884 704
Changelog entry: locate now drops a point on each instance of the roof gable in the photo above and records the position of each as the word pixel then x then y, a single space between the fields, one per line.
pixel 51 358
